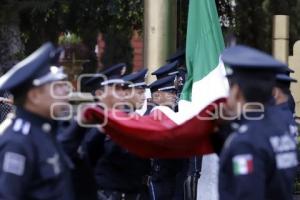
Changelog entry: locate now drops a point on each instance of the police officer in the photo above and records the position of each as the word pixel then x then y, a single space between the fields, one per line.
pixel 134 90
pixel 259 158
pixel 106 87
pixel 282 95
pixel 33 164
pixel 85 145
pixel 167 175
pixel 195 163
pixel 119 174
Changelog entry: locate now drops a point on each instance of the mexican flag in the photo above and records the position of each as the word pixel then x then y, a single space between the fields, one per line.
pixel 242 164
pixel 206 80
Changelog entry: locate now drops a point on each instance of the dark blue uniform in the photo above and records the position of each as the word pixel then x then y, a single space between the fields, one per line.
pixel 288 116
pixel 76 143
pixel 120 171
pixel 167 175
pixel 167 179
pixel 259 160
pixel 33 165
pixel 119 174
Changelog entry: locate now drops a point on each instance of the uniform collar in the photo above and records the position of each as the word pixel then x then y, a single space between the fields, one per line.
pixel 284 106
pixel 39 121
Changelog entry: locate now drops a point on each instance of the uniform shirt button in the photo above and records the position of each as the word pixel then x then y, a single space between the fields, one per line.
pixel 46 127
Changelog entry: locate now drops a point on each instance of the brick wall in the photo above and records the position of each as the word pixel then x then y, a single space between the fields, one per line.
pixel 136 44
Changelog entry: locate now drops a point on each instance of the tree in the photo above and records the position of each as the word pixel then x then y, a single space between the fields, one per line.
pixel 28 23
pixel 115 19
pixel 11 45
pixel 253 21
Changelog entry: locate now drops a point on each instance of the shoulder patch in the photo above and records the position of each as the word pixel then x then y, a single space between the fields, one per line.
pixel 14 163
pixel 242 164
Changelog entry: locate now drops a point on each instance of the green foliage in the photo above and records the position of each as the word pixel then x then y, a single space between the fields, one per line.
pixel 69 38
pixel 83 18
pixel 250 21
pixel 253 21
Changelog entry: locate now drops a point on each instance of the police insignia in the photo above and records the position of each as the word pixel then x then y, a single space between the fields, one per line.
pixel 54 162
pixel 14 163
pixel 242 164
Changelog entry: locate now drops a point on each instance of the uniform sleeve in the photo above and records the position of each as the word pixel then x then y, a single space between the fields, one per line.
pixel 16 171
pixel 71 138
pixel 248 172
pixel 93 145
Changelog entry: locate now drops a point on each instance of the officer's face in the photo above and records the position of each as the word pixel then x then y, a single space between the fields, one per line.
pixel 111 96
pixel 234 101
pixel 164 98
pixel 279 96
pixel 135 97
pixel 48 100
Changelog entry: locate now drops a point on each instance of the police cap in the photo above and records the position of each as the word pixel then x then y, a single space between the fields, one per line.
pixel 39 68
pixel 111 75
pixel 166 70
pixel 164 84
pixel 136 79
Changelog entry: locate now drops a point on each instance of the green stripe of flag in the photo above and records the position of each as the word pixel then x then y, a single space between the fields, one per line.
pixel 204 42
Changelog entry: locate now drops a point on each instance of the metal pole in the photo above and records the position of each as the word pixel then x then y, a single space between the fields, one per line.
pixel 160 20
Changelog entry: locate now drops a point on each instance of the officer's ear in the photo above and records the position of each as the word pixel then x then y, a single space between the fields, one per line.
pixel 275 92
pixel 239 94
pixel 233 91
pixel 99 93
pixel 236 93
pixel 33 96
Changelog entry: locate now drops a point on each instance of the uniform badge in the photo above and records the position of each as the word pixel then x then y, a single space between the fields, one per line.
pixel 242 164
pixel 54 161
pixel 14 163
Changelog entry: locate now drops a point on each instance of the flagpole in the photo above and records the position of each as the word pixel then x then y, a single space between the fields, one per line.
pixel 160 21
pixel 281 37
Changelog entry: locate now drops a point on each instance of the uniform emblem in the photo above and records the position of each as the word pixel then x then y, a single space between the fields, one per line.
pixel 282 143
pixel 286 160
pixel 21 126
pixel 54 161
pixel 284 148
pixel 46 127
pixel 243 129
pixel 242 164
pixel 14 163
